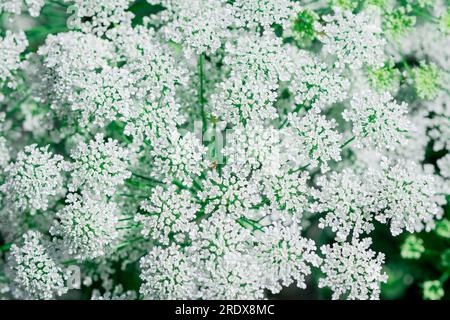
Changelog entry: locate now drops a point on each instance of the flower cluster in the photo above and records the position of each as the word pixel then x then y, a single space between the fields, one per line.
pixel 18 6
pixel 12 45
pixel 218 149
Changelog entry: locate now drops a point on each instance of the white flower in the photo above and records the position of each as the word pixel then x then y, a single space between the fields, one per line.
pixel 439 123
pixel 167 274
pixel 34 273
pixel 352 270
pixel 242 98
pixel 182 159
pixel 33 179
pixel 444 166
pixel 261 57
pixel 416 140
pixel 4 153
pixel 100 165
pixel 118 293
pixel 288 192
pixel 74 54
pixel 232 276
pixel 168 214
pixel 314 84
pixel 205 147
pixel 345 200
pixel 97 16
pixel 406 196
pixel 151 65
pixel 440 131
pixel 264 13
pixel 86 227
pixel 79 83
pixel 104 97
pixel 378 121
pixel 18 6
pixel 426 42
pixel 254 147
pixel 226 266
pixel 229 193
pixel 355 39
pixel 12 45
pixel 314 139
pixel 286 256
pixel 199 25
pixel 156 123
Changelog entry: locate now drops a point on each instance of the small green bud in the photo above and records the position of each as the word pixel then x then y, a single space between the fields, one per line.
pixel 427 80
pixel 412 248
pixel 378 3
pixel 424 3
pixel 303 26
pixel 397 23
pixel 386 78
pixel 443 228
pixel 444 22
pixel 445 258
pixel 433 290
pixel 345 4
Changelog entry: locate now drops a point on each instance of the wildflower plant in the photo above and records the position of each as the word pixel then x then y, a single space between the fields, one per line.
pixel 219 149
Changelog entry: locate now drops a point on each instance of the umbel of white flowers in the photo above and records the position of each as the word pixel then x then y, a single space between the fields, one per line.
pixel 101 165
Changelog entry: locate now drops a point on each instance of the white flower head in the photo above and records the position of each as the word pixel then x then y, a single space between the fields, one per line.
pixel 201 26
pixel 79 82
pixel 12 45
pixel 167 274
pixel 355 39
pixel 314 139
pixel 226 266
pixel 407 196
pixel 4 153
pixel 34 273
pixel 352 270
pixel 288 192
pixel 100 165
pixel 229 193
pixel 314 84
pixel 234 275
pixel 18 6
pixel 104 97
pixel 86 228
pixel 168 214
pixel 182 160
pixel 34 179
pixel 97 16
pixel 255 147
pixel 444 166
pixel 439 124
pixel 378 121
pixel 286 256
pixel 264 13
pixel 262 57
pixel 242 98
pixel 346 203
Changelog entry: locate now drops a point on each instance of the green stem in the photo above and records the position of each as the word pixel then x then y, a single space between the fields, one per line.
pixel 245 222
pixel 5 247
pixel 69 262
pixel 300 169
pixel 444 277
pixel 147 178
pixel 346 143
pixel 128 242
